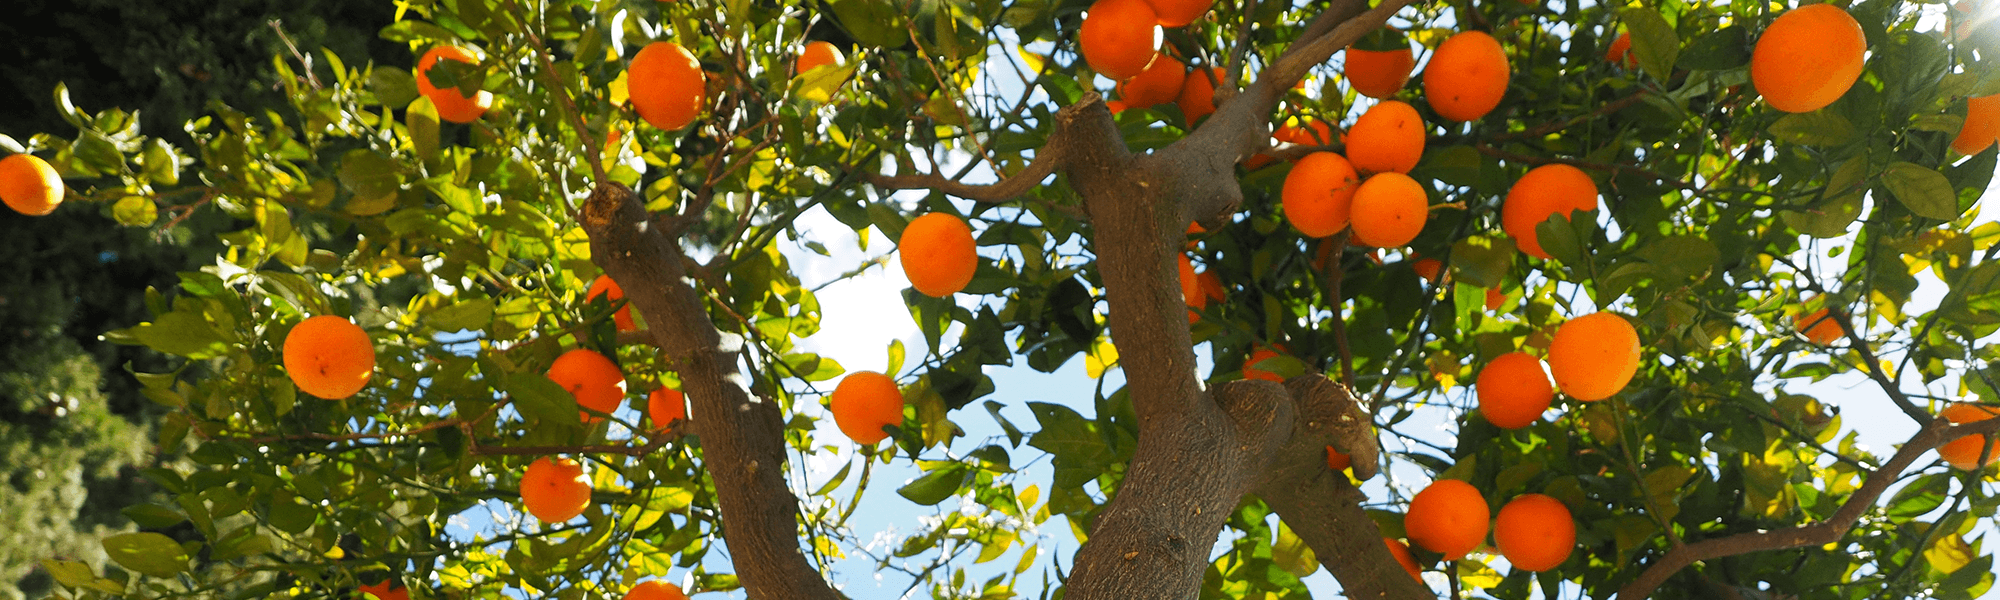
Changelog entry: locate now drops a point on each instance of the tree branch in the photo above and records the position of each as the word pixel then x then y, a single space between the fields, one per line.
pixel 1317 49
pixel 1828 531
pixel 1046 161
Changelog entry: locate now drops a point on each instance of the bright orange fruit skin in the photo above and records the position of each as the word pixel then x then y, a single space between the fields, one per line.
pixel 382 591
pixel 1387 138
pixel 1179 13
pixel 863 403
pixel 1808 58
pixel 656 590
pixel 329 357
pixel 1535 532
pixel 1963 453
pixel 666 85
pixel 1337 460
pixel 1118 39
pixel 1467 76
pixel 1819 329
pixel 1514 390
pixel 1620 52
pixel 937 254
pixel 1378 73
pixel 664 406
pixel 1250 370
pixel 1449 517
pixel 1197 97
pixel 452 105
pixel 1593 356
pixel 593 379
pixel 604 286
pixel 1982 125
pixel 29 185
pixel 1191 292
pixel 1403 557
pixel 1389 210
pixel 1160 83
pixel 1319 193
pixel 1304 131
pixel 1551 189
pixel 555 490
pixel 816 54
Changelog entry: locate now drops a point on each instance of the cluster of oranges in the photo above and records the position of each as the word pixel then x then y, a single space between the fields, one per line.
pixel 1450 517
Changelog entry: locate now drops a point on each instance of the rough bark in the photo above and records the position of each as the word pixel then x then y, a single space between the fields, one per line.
pixel 742 436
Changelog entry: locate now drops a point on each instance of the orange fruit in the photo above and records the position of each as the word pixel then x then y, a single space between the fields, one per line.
pixel 1259 161
pixel 1387 138
pixel 1338 460
pixel 1179 13
pixel 1594 356
pixel 1449 517
pixel 1820 329
pixel 1403 557
pixel 1389 210
pixel 656 590
pixel 384 591
pixel 1620 52
pixel 329 357
pixel 596 383
pixel 1378 73
pixel 1115 106
pixel 1808 58
pixel 604 286
pixel 1428 268
pixel 1467 76
pixel 555 490
pixel 666 85
pixel 817 54
pixel 1304 131
pixel 1319 193
pixel 29 185
pixel 664 406
pixel 1982 125
pixel 864 403
pixel 1551 189
pixel 452 104
pixel 1495 298
pixel 1160 83
pixel 937 254
pixel 1514 390
pixel 1257 355
pixel 1211 285
pixel 1119 38
pixel 1191 292
pixel 1535 532
pixel 1197 97
pixel 1963 453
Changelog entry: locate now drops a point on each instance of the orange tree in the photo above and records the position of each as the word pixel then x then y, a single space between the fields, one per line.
pixel 1722 198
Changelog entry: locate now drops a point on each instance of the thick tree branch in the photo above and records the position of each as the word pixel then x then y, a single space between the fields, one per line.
pixel 742 436
pixel 1828 531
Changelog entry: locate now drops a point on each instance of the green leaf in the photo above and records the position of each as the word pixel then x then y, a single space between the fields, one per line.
pixel 1653 41
pixel 872 22
pixel 393 86
pixel 1840 204
pixel 152 516
pixel 182 334
pixel 1679 257
pixel 1949 554
pixel 1292 554
pixel 819 84
pixel 1924 191
pixel 292 517
pixel 473 314
pixel 161 164
pixel 135 211
pixel 887 219
pixel 896 355
pixel 421 118
pixel 1817 128
pixel 416 31
pixel 368 174
pixel 536 396
pixel 1482 261
pixel 1718 50
pixel 1919 497
pixel 1013 433
pixel 1559 238
pixel 148 553
pixel 1080 452
pixel 71 574
pixel 937 485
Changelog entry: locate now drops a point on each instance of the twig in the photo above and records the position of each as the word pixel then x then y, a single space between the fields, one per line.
pixel 306 63
pixel 1615 168
pixel 594 151
pixel 1335 271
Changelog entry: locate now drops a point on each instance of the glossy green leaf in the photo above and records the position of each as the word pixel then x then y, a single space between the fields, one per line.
pixel 148 553
pixel 1924 191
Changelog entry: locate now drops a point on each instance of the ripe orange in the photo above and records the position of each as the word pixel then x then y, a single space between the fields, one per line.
pixel 865 402
pixel 1160 83
pixel 1963 453
pixel 817 54
pixel 1820 329
pixel 555 490
pixel 1808 58
pixel 329 357
pixel 1449 517
pixel 1319 193
pixel 1197 97
pixel 1389 210
pixel 664 406
pixel 1467 76
pixel 1535 532
pixel 1403 557
pixel 1495 298
pixel 1378 73
pixel 1551 189
pixel 1514 390
pixel 1257 355
pixel 1620 52
pixel 1428 268
pixel 1387 138
pixel 666 85
pixel 1119 37
pixel 1191 292
pixel 656 590
pixel 1304 131
pixel 1982 125
pixel 29 185
pixel 592 379
pixel 937 254
pixel 1211 285
pixel 1179 13
pixel 383 591
pixel 1338 460
pixel 452 105
pixel 604 286
pixel 1594 356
